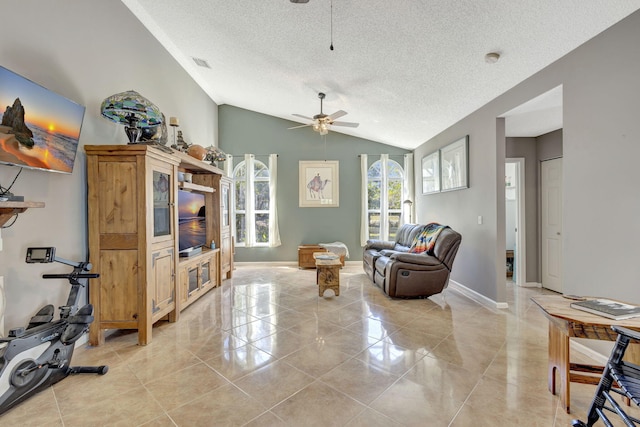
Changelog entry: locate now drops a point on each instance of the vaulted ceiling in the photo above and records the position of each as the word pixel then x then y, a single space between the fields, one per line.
pixel 405 70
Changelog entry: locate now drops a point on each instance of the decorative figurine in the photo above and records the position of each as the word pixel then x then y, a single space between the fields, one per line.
pixel 214 154
pixel 181 144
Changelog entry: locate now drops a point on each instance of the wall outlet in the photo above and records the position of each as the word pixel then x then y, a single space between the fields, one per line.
pixel 479 219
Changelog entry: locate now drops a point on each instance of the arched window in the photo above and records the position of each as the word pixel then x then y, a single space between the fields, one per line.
pixel 385 182
pixel 252 204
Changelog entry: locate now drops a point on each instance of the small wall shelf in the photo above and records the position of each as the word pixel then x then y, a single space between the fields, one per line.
pixel 195 187
pixel 9 209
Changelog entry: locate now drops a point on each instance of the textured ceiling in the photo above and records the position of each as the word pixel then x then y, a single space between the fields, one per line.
pixel 404 69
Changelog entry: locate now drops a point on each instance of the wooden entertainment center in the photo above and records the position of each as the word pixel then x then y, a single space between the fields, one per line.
pixel 133 236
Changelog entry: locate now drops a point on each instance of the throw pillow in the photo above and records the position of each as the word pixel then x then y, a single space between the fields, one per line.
pixel 426 239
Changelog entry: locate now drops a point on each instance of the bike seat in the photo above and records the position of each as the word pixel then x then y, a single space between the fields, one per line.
pixel 44 315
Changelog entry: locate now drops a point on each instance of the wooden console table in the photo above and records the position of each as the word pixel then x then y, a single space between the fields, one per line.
pixel 565 323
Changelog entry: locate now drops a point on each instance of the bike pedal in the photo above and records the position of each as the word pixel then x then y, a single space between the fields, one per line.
pixel 57 365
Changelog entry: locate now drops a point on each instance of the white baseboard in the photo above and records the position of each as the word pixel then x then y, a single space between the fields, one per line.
pixel 531 285
pixel 475 296
pixel 283 263
pixel 266 264
pixel 593 354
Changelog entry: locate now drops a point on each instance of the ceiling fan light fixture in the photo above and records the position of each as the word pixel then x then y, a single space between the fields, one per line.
pixel 321 123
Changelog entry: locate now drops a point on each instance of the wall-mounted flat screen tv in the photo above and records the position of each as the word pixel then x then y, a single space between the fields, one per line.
pixel 39 129
pixel 191 221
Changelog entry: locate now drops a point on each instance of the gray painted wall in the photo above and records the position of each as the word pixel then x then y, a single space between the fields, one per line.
pixel 600 152
pixel 86 51
pixel 549 145
pixel 243 131
pixel 534 150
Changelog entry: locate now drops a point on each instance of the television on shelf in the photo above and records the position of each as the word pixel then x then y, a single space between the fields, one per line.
pixel 39 129
pixel 191 222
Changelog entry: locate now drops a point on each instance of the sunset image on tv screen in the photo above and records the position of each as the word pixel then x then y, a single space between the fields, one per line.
pixel 38 128
pixel 191 220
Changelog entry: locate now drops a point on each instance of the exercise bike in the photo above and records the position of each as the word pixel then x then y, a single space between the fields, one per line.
pixel 38 356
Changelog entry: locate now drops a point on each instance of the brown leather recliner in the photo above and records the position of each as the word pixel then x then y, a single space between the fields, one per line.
pixel 401 274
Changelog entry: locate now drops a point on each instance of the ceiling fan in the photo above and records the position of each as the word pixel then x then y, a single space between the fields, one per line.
pixel 321 122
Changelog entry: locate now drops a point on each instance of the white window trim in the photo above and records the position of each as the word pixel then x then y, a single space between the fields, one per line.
pixel 250 212
pixel 384 211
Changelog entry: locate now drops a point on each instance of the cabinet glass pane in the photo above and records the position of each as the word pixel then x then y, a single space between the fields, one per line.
pixel 205 273
pixel 161 200
pixel 193 279
pixel 225 206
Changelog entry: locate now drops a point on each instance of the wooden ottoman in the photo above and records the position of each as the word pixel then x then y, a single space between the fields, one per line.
pixel 328 274
pixel 305 255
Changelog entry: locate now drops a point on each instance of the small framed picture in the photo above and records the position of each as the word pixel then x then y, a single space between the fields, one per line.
pixel 319 184
pixel 454 164
pixel 431 173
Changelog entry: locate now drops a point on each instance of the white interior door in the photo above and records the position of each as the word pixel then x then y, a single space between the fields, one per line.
pixel 551 195
pixel 515 217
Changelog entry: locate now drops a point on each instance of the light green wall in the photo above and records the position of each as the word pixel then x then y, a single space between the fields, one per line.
pixel 243 131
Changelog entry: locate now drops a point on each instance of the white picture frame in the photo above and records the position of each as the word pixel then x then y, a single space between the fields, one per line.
pixel 319 184
pixel 454 165
pixel 431 173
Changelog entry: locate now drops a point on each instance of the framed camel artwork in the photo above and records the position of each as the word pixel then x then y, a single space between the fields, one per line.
pixel 319 185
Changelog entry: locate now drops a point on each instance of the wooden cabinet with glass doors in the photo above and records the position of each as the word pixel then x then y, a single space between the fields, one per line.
pixel 131 215
pixel 133 236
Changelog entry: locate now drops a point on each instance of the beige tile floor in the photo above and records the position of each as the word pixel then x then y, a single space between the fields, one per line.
pixel 264 350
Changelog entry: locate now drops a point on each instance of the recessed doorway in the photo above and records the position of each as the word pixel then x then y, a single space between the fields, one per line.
pixel 515 220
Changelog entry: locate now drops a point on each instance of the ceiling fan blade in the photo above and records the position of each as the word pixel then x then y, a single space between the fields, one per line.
pixel 347 124
pixel 301 126
pixel 337 114
pixel 304 117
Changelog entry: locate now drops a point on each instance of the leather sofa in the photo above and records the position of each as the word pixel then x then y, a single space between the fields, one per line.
pixel 401 274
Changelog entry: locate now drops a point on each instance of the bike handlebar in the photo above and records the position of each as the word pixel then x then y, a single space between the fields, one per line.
pixel 69 276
